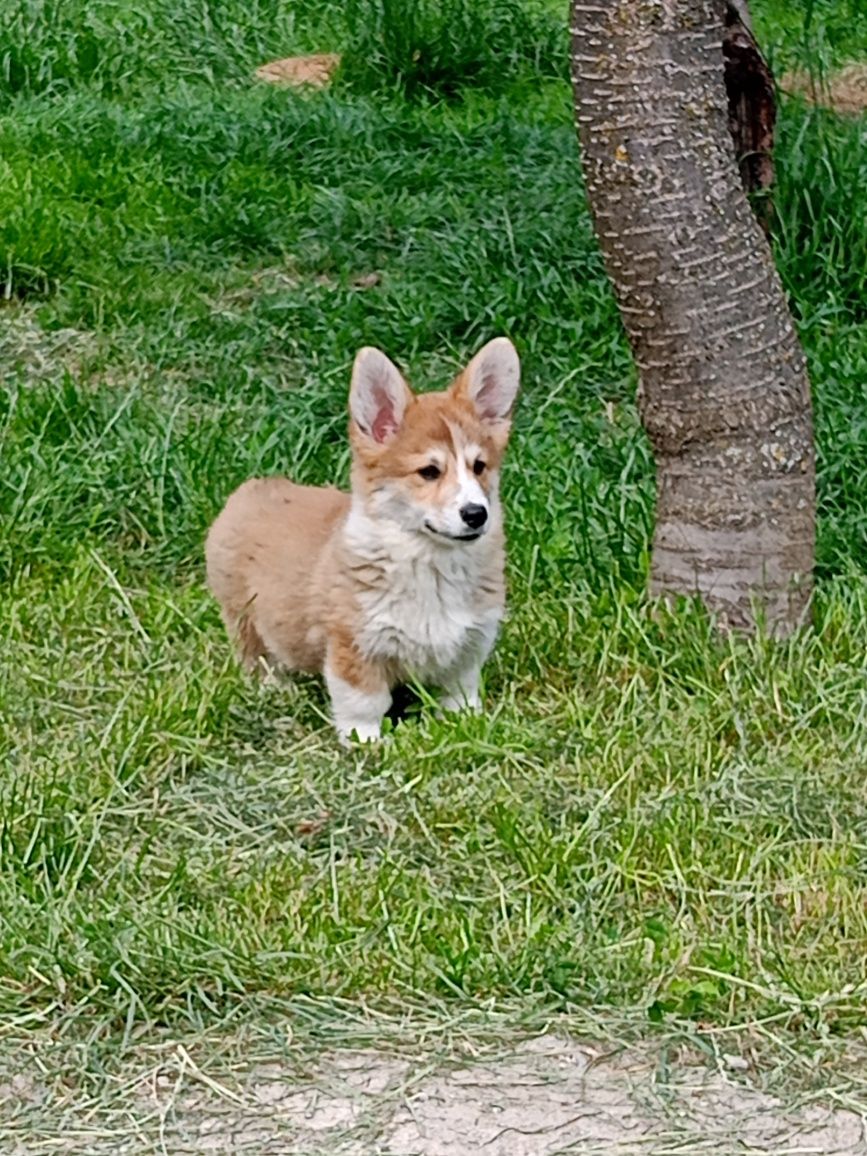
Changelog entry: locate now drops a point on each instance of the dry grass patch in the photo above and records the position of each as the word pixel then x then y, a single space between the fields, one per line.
pixel 314 71
pixel 844 91
pixel 37 354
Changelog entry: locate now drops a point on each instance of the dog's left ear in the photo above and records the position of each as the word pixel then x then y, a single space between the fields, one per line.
pixel 492 379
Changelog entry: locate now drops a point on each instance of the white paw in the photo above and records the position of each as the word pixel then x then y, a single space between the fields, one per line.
pixel 357 714
pixel 360 733
pixel 457 702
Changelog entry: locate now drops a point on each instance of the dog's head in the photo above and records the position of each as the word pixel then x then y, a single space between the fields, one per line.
pixel 430 462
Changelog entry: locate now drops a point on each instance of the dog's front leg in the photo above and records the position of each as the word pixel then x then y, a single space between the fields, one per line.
pixel 461 684
pixel 461 690
pixel 360 695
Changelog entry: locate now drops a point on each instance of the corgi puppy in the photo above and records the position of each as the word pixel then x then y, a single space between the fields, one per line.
pixel 400 579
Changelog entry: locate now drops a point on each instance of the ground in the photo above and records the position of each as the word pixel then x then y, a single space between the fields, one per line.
pixel 537 1097
pixel 654 840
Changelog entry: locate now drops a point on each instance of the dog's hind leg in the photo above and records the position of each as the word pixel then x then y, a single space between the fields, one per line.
pixel 251 648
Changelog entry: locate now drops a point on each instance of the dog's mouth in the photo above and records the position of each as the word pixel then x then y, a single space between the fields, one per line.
pixel 472 536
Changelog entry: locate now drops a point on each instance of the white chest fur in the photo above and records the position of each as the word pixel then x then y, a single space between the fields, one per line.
pixel 423 605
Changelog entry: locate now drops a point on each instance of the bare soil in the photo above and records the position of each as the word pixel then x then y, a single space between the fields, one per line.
pixel 844 91
pixel 548 1096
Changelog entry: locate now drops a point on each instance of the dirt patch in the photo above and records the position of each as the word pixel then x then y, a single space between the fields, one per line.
pixel 313 71
pixel 545 1096
pixel 34 354
pixel 844 91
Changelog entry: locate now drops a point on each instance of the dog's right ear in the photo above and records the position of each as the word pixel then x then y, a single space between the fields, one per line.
pixel 378 396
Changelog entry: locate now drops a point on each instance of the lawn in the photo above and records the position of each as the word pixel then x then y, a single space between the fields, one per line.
pixel 651 823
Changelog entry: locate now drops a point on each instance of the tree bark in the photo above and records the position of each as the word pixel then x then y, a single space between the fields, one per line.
pixel 752 106
pixel 723 389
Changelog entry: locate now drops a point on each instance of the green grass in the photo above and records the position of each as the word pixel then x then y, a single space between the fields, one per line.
pixel 812 34
pixel 443 47
pixel 649 821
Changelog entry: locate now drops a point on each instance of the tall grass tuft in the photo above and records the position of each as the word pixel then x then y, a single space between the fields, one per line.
pixel 445 46
pixel 821 175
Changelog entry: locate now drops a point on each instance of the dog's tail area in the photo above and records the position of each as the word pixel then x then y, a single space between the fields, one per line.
pixel 251 648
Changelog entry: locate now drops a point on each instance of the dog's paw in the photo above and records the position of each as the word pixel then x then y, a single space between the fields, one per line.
pixel 452 703
pixel 359 734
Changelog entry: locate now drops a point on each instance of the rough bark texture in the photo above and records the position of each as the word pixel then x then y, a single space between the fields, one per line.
pixel 723 393
pixel 752 106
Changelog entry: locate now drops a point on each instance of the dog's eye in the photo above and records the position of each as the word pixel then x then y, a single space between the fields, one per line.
pixel 478 467
pixel 430 473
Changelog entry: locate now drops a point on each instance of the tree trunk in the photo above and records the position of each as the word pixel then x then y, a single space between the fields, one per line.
pixel 723 390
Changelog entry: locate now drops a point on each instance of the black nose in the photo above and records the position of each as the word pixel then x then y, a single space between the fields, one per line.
pixel 474 515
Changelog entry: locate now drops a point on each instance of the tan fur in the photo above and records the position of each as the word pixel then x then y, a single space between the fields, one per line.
pixel 264 553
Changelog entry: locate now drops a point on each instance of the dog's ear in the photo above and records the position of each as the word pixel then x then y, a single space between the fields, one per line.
pixel 378 396
pixel 491 380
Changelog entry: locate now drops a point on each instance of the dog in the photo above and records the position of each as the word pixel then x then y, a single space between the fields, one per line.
pixel 400 579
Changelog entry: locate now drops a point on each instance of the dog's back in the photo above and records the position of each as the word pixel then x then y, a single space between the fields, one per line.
pixel 263 553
